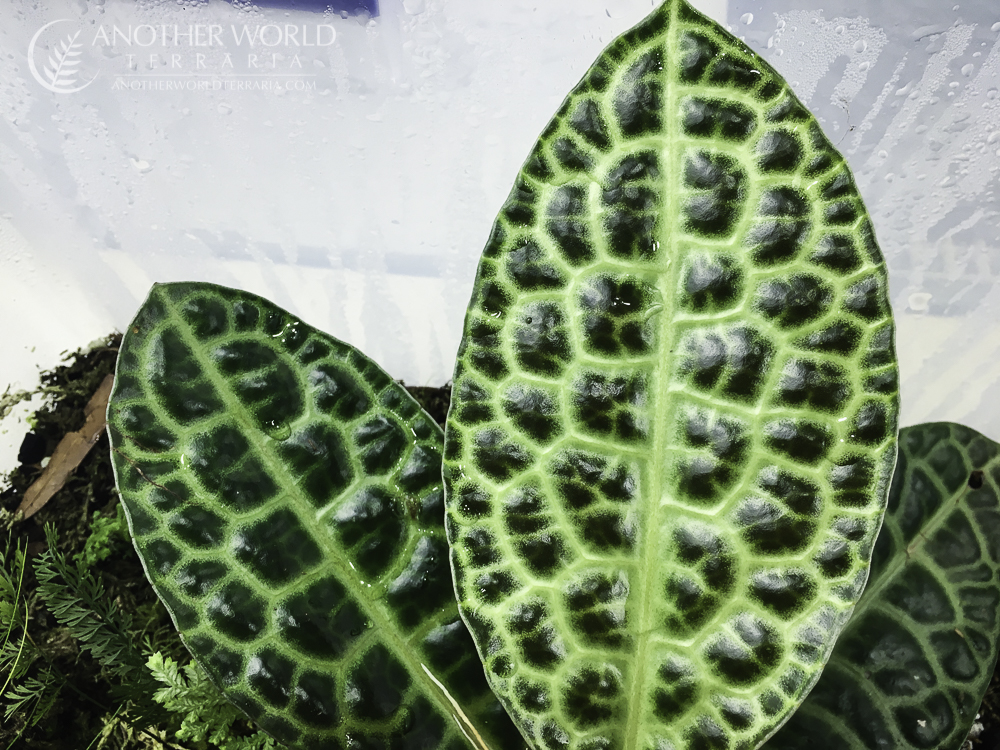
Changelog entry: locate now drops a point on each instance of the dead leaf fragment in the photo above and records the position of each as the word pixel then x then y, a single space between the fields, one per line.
pixel 70 452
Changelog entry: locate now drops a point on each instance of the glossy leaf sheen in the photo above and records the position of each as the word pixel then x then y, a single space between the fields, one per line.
pixel 285 497
pixel 912 666
pixel 674 412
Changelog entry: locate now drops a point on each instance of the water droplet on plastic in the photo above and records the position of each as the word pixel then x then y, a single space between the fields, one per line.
pixel 991 93
pixel 995 27
pixel 860 46
pixel 864 66
pixel 140 165
pixel 839 30
pixel 993 137
pixel 883 154
pixel 746 19
pixel 919 301
pixel 967 69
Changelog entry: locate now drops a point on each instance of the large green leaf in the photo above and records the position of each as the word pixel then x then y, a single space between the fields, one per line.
pixel 674 413
pixel 285 497
pixel 911 667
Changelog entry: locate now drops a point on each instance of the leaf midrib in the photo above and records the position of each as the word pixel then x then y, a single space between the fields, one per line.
pixel 666 277
pixel 387 627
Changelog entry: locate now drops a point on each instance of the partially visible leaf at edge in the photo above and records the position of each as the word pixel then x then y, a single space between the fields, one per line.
pixel 912 666
pixel 285 497
pixel 674 416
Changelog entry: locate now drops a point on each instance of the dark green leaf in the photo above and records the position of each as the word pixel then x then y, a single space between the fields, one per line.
pixel 911 667
pixel 283 494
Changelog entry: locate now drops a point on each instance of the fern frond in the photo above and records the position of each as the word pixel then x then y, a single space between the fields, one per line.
pixel 16 654
pixel 42 690
pixel 206 714
pixel 10 592
pixel 79 603
pixel 15 659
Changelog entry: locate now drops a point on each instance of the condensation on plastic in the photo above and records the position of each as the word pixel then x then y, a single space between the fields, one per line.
pixel 362 205
pixel 909 93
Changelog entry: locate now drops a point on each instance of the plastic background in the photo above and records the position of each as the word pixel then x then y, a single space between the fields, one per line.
pixel 362 205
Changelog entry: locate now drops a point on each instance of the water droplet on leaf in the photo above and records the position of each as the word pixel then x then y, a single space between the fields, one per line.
pixel 278 430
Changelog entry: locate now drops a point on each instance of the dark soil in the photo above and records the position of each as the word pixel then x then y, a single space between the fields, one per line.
pixel 78 715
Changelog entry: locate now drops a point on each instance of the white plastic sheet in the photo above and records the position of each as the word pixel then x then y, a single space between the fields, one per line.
pixel 355 182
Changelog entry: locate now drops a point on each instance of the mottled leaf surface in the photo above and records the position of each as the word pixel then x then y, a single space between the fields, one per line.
pixel 285 497
pixel 912 666
pixel 674 413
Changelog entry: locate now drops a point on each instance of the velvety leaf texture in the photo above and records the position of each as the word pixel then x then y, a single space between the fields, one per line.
pixel 285 497
pixel 912 666
pixel 674 411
